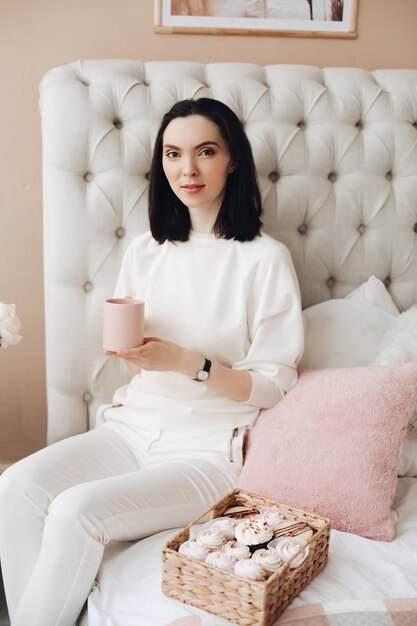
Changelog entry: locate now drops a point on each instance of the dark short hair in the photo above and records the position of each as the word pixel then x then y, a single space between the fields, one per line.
pixel 239 216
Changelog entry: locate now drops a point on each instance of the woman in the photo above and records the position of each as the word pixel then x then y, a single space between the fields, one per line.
pixel 225 335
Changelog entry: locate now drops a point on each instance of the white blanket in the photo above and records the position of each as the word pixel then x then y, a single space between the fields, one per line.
pixel 129 593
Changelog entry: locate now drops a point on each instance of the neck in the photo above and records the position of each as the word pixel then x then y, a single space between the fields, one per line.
pixel 202 221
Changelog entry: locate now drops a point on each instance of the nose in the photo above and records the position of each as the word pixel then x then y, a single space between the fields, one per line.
pixel 190 167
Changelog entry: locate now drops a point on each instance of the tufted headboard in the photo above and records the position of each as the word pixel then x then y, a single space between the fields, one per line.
pixel 336 153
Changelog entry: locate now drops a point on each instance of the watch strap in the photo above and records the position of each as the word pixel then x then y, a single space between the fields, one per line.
pixel 206 368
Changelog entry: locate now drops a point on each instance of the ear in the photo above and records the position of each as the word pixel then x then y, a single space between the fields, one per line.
pixel 232 167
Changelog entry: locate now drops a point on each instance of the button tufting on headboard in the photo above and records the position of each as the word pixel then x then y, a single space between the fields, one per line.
pixel 321 223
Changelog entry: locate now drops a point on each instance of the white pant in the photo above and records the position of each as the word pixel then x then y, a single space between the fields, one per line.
pixel 61 505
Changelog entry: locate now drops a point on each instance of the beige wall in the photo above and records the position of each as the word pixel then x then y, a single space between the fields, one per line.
pixel 36 35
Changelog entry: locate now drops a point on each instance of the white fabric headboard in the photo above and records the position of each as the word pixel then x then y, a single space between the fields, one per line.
pixel 336 152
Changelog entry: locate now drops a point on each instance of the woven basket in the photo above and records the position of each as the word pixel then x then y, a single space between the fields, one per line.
pixel 239 600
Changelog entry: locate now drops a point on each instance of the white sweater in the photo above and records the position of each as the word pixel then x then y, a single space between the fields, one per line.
pixel 235 302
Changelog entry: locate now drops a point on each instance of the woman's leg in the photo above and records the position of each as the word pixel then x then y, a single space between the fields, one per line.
pixel 28 488
pixel 85 517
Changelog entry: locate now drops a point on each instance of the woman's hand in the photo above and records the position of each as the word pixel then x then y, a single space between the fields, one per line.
pixel 159 355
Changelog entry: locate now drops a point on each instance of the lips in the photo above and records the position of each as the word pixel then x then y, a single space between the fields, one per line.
pixel 192 189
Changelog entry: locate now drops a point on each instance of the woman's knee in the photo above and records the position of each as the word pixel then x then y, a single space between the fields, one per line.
pixel 26 479
pixel 73 510
pixel 12 479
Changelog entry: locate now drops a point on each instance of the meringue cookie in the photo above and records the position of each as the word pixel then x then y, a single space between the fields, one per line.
pixel 237 550
pixel 253 532
pixel 194 549
pixel 226 525
pixel 248 568
pixel 287 547
pixel 274 516
pixel 211 537
pixel 268 559
pixel 221 560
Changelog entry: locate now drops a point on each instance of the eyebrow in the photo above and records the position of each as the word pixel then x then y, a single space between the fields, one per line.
pixel 200 145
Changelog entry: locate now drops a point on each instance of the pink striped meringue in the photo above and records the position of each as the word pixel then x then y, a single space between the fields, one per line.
pixel 237 550
pixel 268 559
pixel 221 560
pixel 248 568
pixel 226 525
pixel 211 537
pixel 287 548
pixel 194 549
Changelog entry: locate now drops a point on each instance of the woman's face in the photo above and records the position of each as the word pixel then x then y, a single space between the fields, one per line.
pixel 196 161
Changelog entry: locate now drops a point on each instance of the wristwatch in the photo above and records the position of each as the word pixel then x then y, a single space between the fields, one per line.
pixel 204 373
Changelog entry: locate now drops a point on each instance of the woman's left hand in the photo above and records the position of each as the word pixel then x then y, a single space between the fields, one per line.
pixel 157 355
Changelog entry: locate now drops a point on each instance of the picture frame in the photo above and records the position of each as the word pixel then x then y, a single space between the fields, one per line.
pixel 291 18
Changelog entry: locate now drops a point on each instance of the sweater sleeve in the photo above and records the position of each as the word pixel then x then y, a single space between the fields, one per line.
pixel 275 326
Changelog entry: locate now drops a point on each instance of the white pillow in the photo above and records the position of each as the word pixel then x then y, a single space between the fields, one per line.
pixel 348 332
pixel 399 345
pixel 352 331
pixel 374 292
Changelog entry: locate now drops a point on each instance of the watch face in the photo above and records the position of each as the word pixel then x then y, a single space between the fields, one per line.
pixel 202 375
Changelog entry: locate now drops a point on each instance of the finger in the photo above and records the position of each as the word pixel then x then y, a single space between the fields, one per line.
pixel 129 353
pixel 124 354
pixel 148 339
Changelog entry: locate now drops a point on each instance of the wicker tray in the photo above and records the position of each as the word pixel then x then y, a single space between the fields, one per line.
pixel 239 600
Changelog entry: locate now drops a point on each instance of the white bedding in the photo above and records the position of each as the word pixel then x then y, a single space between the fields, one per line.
pixel 129 594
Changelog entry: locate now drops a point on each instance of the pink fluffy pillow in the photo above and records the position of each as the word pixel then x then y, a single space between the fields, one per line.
pixel 332 445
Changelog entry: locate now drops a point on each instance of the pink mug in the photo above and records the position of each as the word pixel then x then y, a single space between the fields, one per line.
pixel 123 323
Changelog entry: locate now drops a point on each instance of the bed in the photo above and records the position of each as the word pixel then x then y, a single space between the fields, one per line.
pixel 336 154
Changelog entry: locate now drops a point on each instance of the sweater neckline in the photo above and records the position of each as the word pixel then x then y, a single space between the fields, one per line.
pixel 208 237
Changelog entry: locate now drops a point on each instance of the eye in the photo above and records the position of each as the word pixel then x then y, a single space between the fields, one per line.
pixel 172 154
pixel 207 152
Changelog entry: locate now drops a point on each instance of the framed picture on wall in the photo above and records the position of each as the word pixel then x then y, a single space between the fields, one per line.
pixel 294 18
